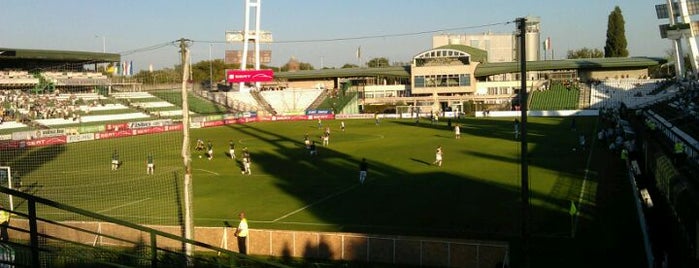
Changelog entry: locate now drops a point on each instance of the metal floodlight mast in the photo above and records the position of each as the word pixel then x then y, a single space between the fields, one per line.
pixel 525 207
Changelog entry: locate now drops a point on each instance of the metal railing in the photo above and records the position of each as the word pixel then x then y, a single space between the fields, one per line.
pixel 37 241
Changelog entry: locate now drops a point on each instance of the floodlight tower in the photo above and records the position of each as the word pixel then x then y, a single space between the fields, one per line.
pixel 680 27
pixel 251 35
pixel 256 36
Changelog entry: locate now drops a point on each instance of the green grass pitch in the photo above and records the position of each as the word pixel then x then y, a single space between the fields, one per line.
pixel 474 195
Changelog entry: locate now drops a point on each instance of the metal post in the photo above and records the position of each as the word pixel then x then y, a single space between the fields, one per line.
pixel 523 139
pixel 186 155
pixel 33 233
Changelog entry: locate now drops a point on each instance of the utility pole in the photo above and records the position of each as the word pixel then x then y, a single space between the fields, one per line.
pixel 186 154
pixel 522 29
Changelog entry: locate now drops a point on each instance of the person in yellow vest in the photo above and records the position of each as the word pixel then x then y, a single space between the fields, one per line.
pixel 4 223
pixel 624 154
pixel 679 151
pixel 242 234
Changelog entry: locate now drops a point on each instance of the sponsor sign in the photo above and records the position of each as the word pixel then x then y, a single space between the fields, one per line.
pixel 12 145
pixel 81 137
pixel 91 129
pixel 318 112
pixel 5 137
pixel 113 134
pixel 51 132
pixel 47 141
pixel 147 124
pixel 24 135
pixel 116 127
pixel 249 76
pixel 150 130
pixel 321 116
pixel 174 127
pixel 354 116
pixel 212 123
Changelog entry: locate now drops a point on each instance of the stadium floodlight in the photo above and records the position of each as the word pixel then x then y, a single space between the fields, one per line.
pixel 237 36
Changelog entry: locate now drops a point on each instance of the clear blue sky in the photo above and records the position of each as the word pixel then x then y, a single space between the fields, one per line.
pixel 128 25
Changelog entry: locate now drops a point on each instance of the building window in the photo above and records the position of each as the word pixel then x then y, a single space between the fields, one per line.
pixel 419 81
pixel 464 80
pixel 442 80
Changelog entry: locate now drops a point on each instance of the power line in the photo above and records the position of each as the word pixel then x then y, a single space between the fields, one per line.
pixel 374 36
pixel 149 48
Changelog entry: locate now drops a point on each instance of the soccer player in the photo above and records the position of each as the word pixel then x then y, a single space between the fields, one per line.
pixel 210 150
pixel 342 126
pixel 438 157
pixel 231 149
pixel 307 142
pixel 150 166
pixel 246 154
pixel 246 165
pixel 313 149
pixel 115 160
pixel 200 145
pixel 363 169
pixel 457 131
pixel 516 126
pixel 320 124
pixel 326 139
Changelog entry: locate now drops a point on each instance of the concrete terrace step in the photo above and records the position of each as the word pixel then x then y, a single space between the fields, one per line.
pixel 11 125
pixel 92 118
pixel 132 95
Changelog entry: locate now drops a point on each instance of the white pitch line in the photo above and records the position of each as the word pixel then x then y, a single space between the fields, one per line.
pixel 127 204
pixel 207 171
pixel 316 202
pixel 587 172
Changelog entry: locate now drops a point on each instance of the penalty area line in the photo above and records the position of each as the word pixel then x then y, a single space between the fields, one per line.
pixel 124 205
pixel 315 203
pixel 211 172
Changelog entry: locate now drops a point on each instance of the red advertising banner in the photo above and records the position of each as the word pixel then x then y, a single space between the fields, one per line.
pixel 248 76
pixel 212 123
pixel 174 127
pixel 113 134
pixel 150 130
pixel 117 127
pixel 47 141
pixel 12 145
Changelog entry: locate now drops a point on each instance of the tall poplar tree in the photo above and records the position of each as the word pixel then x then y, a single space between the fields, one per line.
pixel 616 35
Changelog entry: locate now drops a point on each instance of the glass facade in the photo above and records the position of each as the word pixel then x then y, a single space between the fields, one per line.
pixel 443 80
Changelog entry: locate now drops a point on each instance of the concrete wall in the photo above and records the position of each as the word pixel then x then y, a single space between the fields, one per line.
pixel 424 251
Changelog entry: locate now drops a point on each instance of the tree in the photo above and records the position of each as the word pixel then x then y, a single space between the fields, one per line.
pixel 378 62
pixel 585 53
pixel 349 65
pixel 295 65
pixel 616 35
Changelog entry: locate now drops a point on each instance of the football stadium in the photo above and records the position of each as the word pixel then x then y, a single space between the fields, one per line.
pixel 461 158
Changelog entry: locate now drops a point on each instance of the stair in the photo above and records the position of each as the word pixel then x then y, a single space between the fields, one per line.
pixel 319 100
pixel 262 102
pixel 584 98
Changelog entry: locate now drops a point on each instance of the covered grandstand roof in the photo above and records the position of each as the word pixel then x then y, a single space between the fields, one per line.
pixel 35 58
pixel 483 69
pixel 400 71
pixel 487 69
